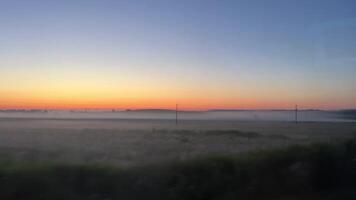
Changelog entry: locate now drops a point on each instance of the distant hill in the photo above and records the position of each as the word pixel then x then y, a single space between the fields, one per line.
pixel 163 111
pixel 267 110
pixel 151 110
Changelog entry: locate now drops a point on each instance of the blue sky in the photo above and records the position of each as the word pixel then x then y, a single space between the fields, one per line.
pixel 228 53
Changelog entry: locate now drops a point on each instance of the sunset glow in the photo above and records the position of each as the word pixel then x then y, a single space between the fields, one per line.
pixel 116 55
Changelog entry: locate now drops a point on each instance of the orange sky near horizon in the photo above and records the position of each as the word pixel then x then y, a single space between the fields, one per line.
pixel 194 103
pixel 106 92
pixel 200 55
pixel 60 88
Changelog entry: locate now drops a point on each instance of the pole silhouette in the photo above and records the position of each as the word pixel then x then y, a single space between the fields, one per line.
pixel 176 114
pixel 296 114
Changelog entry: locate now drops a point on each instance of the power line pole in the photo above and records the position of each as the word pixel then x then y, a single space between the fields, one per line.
pixel 296 114
pixel 176 114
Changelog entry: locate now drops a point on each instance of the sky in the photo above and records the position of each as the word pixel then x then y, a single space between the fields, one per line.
pixel 208 54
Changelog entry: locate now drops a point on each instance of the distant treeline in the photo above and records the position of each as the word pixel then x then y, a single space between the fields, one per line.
pixel 24 111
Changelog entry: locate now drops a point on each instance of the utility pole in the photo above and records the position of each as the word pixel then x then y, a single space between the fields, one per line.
pixel 296 114
pixel 176 114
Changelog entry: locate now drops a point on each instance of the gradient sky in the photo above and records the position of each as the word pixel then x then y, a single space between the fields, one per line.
pixel 199 54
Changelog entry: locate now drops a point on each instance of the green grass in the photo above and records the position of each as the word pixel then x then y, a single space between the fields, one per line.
pixel 317 171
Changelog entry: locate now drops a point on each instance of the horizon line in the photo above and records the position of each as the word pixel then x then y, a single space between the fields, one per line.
pixel 167 109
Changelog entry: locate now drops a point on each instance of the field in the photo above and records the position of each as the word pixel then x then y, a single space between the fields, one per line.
pixel 107 159
pixel 127 143
pixel 318 172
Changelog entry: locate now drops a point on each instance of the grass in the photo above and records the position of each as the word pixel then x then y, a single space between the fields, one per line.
pixel 317 171
pixel 249 135
pixel 232 133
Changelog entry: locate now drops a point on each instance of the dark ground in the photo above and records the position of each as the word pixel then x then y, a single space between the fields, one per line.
pixel 315 171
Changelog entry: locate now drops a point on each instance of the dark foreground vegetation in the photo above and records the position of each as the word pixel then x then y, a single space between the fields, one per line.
pixel 317 171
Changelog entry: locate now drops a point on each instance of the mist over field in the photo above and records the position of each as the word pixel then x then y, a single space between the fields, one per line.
pixel 177 100
pixel 132 138
pixel 221 115
pixel 97 154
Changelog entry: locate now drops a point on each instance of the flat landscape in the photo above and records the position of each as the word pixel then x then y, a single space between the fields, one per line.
pixel 177 100
pixel 136 142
